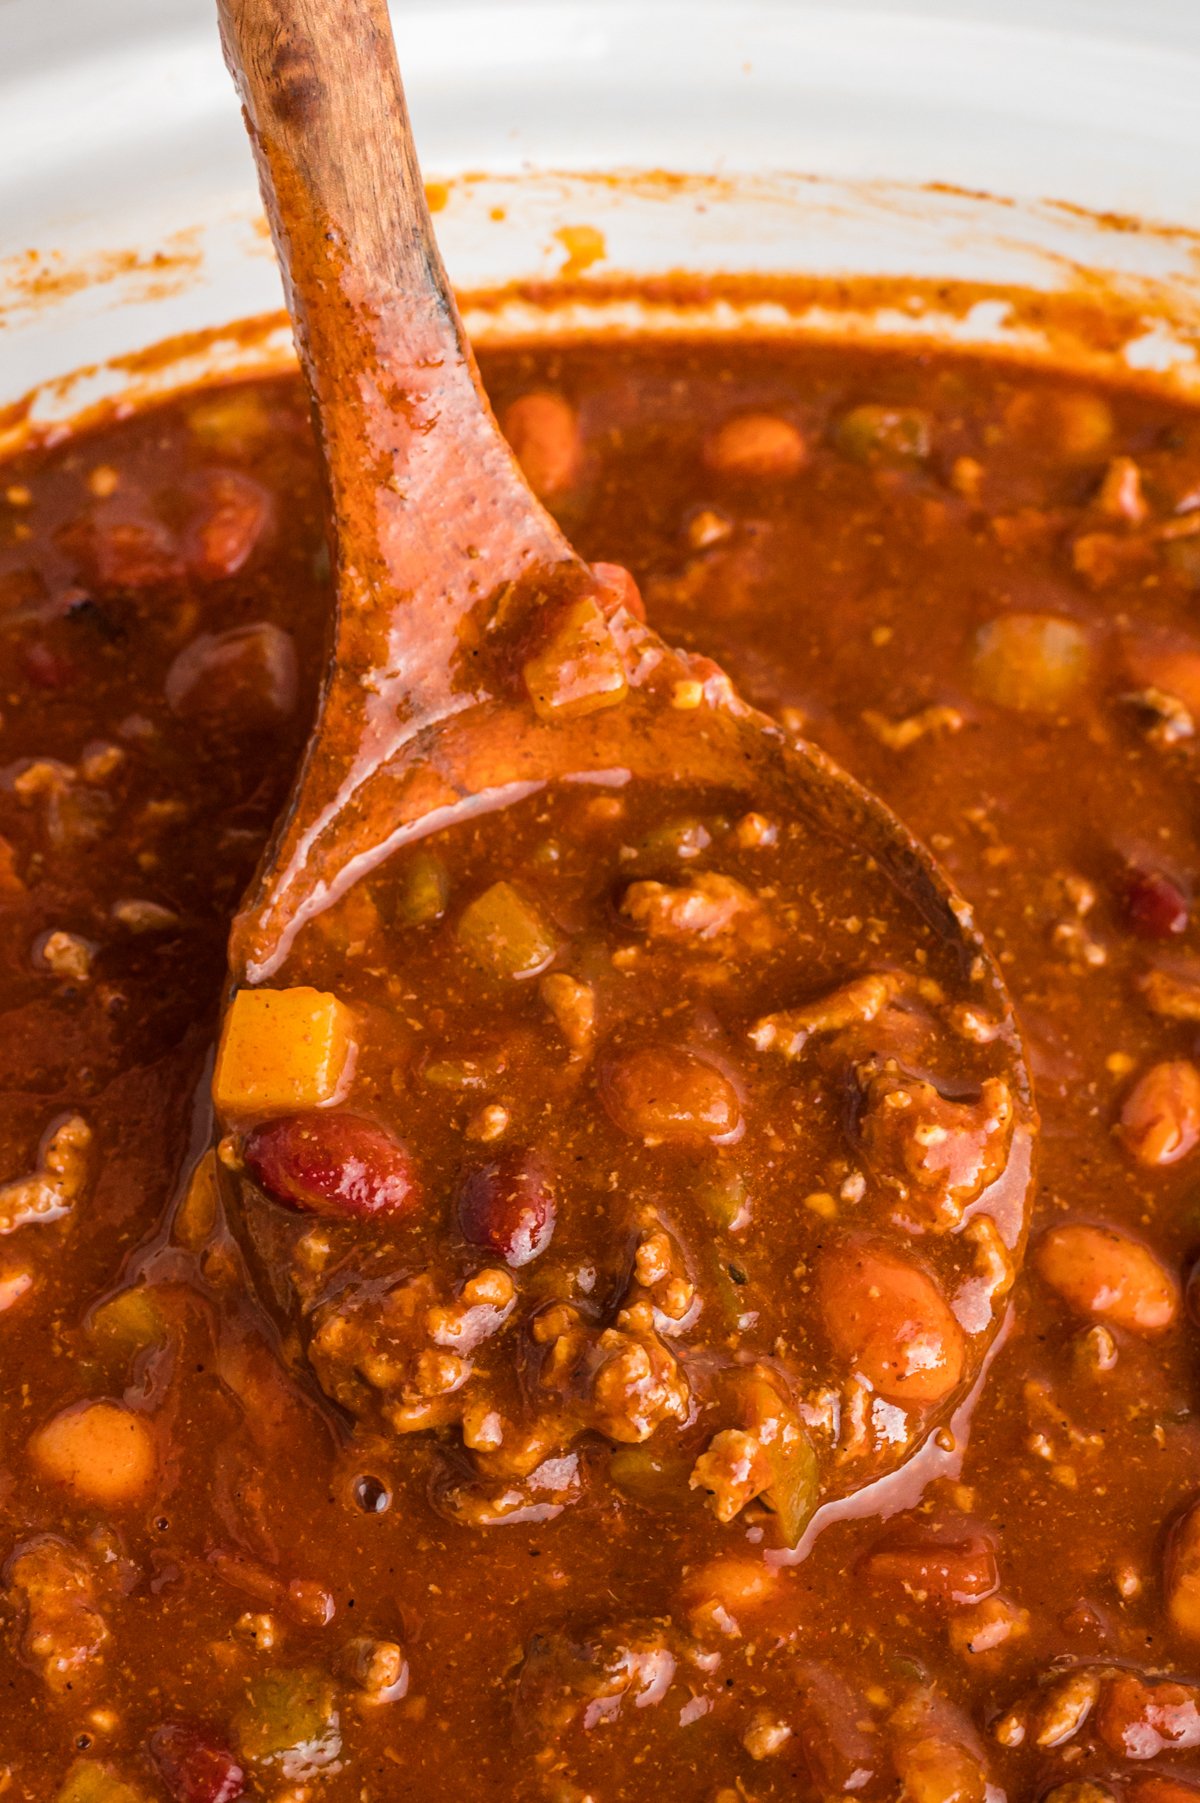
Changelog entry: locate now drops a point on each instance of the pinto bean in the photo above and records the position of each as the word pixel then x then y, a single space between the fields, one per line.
pixel 1102 1272
pixel 1139 1720
pixel 664 1093
pixel 726 1593
pixel 951 1570
pixel 759 447
pixel 100 1450
pixel 1071 423
pixel 1160 1119
pixel 889 1320
pixel 936 1752
pixel 543 430
pixel 1183 1574
pixel 839 1741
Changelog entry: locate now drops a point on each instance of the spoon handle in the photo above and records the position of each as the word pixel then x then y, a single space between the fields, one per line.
pixel 427 499
pixel 433 524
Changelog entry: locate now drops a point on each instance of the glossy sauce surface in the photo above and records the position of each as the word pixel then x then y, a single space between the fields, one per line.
pixel 975 587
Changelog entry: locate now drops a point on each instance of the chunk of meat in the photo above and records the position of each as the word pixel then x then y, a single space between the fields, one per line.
pixel 378 1667
pixel 852 1004
pixel 938 1155
pixel 54 1188
pixel 407 1348
pixel 898 735
pixel 573 1005
pixel 768 1454
pixel 621 1381
pixel 53 1588
pixel 734 1469
pixel 1172 994
pixel 705 908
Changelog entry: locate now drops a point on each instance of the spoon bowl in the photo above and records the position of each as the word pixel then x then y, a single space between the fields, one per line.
pixel 813 981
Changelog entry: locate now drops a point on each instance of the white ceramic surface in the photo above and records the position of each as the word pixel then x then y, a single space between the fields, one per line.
pixel 118 130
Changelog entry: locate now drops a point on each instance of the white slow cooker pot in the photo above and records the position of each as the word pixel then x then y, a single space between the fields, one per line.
pixel 128 212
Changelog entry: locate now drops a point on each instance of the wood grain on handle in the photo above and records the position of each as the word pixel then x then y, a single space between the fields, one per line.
pixel 432 519
pixel 427 498
pixel 325 107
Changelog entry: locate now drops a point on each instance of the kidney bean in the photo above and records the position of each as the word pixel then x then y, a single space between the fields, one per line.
pixel 664 1093
pixel 953 1568
pixel 133 552
pixel 1102 1272
pixel 194 1766
pixel 45 668
pixel 245 677
pixel 328 1162
pixel 1160 1120
pixel 1182 1576
pixel 1155 904
pixel 544 434
pixel 232 512
pixel 509 1207
pixel 888 1319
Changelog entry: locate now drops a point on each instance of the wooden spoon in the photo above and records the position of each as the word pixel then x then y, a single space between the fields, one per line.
pixel 477 659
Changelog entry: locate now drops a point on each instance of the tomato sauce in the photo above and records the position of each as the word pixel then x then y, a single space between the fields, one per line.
pixel 600 1368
